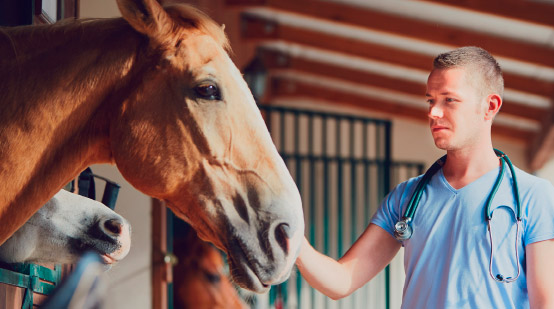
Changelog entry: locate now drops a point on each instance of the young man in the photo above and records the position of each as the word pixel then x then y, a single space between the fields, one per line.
pixel 447 257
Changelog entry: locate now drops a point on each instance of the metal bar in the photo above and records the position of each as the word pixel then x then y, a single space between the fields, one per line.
pixel 386 183
pixel 282 130
pixel 325 186
pixel 272 296
pixel 14 278
pixel 299 185
pixel 324 149
pixel 312 165
pixel 44 273
pixel 273 289
pixel 353 187
pixel 42 287
pixel 367 185
pixel 28 299
pixel 339 188
pixel 312 179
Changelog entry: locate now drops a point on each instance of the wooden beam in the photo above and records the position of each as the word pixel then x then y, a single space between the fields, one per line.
pixel 408 27
pixel 528 11
pixel 259 29
pixel 278 60
pixel 282 88
pixel 161 271
pixel 542 147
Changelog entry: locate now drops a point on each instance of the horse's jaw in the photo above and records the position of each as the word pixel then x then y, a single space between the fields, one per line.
pixel 261 249
pixel 248 273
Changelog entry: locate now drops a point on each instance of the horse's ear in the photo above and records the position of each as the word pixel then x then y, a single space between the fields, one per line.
pixel 146 16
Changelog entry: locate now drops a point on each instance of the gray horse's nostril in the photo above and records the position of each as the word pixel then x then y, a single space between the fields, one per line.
pixel 113 226
pixel 282 235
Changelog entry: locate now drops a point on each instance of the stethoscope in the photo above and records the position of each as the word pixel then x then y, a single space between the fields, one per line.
pixel 403 229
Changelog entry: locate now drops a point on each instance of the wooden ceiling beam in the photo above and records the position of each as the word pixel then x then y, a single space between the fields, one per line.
pixel 258 29
pixel 278 60
pixel 528 11
pixel 409 27
pixel 282 88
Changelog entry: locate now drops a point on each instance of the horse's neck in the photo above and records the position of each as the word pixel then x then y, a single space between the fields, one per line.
pixel 54 108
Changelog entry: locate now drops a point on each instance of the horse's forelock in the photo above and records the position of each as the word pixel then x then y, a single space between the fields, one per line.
pixel 200 21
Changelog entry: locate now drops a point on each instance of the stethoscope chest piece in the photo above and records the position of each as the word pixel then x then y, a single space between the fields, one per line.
pixel 402 230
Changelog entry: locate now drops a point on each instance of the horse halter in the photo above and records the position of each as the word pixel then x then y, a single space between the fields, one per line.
pixel 403 229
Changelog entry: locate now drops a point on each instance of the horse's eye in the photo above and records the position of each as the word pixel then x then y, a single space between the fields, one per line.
pixel 208 91
pixel 212 277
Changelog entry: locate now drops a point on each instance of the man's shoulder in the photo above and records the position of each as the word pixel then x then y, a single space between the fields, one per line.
pixel 527 182
pixel 408 185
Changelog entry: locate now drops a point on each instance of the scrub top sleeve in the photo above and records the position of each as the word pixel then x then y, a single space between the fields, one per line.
pixel 539 213
pixel 387 214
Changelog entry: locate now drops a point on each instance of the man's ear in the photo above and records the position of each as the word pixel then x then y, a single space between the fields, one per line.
pixel 494 102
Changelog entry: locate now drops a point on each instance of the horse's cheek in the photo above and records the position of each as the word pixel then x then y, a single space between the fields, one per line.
pixel 132 147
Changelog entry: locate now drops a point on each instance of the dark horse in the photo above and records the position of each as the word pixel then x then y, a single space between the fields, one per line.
pixel 156 94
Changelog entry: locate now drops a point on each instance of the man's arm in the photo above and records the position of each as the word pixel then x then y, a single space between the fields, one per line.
pixel 540 273
pixel 365 259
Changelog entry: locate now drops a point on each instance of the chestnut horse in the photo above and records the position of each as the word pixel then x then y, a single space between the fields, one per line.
pixel 156 94
pixel 199 278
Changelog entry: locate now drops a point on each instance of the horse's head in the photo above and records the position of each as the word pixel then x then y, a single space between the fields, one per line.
pixel 199 276
pixel 65 228
pixel 190 133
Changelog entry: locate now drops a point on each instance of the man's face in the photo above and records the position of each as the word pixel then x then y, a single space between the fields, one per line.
pixel 456 110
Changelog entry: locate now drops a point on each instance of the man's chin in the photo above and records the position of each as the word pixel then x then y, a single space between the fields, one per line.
pixel 442 144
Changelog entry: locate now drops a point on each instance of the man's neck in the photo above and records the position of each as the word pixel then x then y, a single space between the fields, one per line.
pixel 465 166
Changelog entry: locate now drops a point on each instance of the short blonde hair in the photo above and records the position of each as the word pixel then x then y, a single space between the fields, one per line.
pixel 483 68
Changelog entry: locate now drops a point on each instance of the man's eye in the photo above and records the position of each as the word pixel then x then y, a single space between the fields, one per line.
pixel 449 100
pixel 208 91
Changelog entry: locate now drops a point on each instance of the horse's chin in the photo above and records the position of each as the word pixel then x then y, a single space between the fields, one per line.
pixel 248 276
pixel 245 277
pixel 108 260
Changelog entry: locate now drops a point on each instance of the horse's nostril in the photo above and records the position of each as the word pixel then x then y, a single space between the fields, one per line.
pixel 113 226
pixel 282 235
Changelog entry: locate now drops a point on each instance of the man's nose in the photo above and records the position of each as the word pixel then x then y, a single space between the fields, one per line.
pixel 435 112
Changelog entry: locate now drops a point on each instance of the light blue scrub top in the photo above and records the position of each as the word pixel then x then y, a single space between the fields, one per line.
pixel 447 259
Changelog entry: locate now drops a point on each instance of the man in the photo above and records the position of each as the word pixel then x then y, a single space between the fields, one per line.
pixel 447 257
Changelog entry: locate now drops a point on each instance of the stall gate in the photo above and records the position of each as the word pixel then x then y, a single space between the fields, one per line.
pixel 342 167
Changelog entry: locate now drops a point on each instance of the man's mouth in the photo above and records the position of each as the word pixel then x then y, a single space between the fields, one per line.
pixel 438 128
